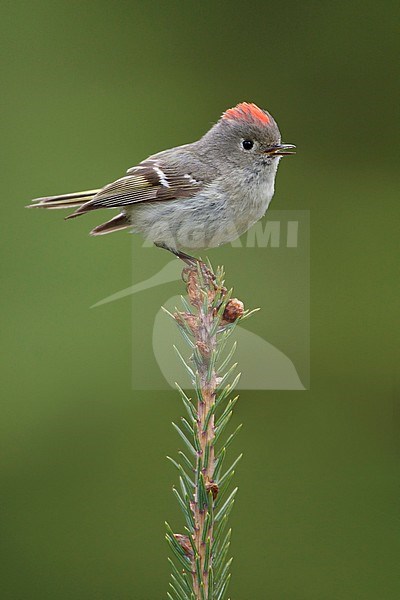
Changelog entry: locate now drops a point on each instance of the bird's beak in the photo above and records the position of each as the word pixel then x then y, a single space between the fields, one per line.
pixel 281 150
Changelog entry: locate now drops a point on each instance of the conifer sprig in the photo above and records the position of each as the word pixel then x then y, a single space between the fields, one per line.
pixel 201 566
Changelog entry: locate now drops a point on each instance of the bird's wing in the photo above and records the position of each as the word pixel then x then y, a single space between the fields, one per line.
pixel 150 181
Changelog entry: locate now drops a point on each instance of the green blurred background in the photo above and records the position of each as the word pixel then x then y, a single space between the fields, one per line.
pixel 88 89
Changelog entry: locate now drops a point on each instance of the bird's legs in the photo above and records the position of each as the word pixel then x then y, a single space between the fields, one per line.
pixel 189 260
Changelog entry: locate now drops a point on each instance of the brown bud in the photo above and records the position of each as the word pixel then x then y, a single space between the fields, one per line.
pixel 189 319
pixel 185 544
pixel 196 288
pixel 233 311
pixel 192 286
pixel 204 348
pixel 212 487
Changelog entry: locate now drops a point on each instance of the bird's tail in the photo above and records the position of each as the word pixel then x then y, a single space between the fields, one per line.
pixel 76 200
pixel 65 201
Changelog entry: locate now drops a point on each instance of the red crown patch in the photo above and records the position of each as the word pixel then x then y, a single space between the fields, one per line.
pixel 247 111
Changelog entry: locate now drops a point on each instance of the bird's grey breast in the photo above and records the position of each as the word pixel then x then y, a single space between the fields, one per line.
pixel 249 195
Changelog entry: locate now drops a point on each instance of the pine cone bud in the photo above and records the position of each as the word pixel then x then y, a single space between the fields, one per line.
pixel 212 487
pixel 185 544
pixel 233 311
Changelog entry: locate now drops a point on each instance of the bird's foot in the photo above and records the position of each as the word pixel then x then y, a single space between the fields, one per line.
pixel 192 262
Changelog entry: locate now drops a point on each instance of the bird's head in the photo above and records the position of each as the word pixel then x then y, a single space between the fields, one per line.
pixel 247 135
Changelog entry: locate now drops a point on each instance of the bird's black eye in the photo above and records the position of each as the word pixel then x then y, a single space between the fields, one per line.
pixel 247 144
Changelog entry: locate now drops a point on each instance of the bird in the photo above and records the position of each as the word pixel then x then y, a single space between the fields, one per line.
pixel 198 195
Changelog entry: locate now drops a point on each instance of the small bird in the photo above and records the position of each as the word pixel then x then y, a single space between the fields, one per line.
pixel 199 195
